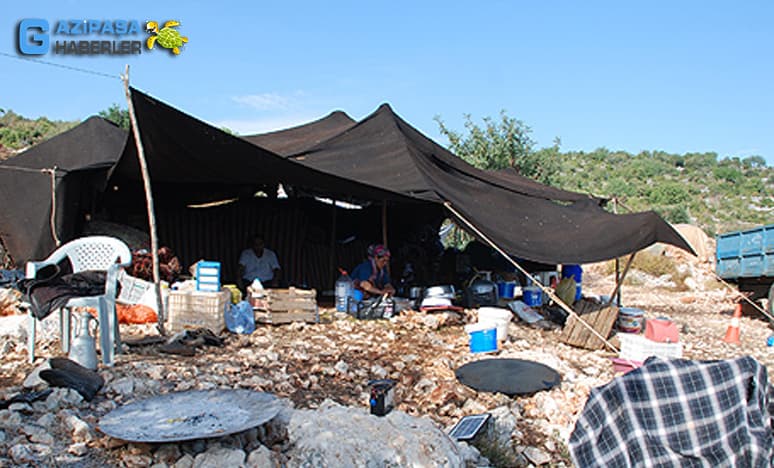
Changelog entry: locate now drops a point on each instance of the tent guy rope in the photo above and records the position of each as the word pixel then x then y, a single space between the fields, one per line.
pixel 547 291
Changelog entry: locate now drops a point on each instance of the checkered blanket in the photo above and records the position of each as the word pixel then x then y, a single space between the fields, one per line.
pixel 677 413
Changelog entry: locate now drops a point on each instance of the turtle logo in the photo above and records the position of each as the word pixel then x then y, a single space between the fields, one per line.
pixel 167 37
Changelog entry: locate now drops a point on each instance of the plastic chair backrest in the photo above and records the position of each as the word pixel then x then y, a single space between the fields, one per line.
pixel 96 253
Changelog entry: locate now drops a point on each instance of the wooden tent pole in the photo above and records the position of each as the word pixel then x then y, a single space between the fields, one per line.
pixel 617 265
pixel 149 202
pixel 546 290
pixel 619 281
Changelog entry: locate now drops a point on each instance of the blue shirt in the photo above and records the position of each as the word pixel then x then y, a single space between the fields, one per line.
pixel 365 272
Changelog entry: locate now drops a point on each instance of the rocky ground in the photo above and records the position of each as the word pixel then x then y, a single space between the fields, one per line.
pixel 322 371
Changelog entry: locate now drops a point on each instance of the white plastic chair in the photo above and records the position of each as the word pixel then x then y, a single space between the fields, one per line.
pixel 88 253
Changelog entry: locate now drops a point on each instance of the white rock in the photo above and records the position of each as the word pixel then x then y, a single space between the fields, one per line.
pixel 536 456
pixel 63 398
pixel 33 380
pixel 341 367
pixel 378 371
pixel 21 407
pixel 504 423
pixel 167 453
pixel 81 431
pixel 186 461
pixel 260 458
pixel 37 434
pixel 78 449
pixel 29 453
pixel 123 386
pixel 9 419
pixel 335 435
pixel 218 457
pixel 137 460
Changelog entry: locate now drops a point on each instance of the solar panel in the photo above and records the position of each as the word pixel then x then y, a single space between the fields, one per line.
pixel 468 427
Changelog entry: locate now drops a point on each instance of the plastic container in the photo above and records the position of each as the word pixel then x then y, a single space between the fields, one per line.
pixel 630 319
pixel 576 272
pixel 240 318
pixel 506 289
pixel 344 289
pixel 208 276
pixel 382 398
pixel 483 337
pixel 497 316
pixel 532 296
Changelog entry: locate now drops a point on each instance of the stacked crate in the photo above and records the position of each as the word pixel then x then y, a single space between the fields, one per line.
pixel 277 306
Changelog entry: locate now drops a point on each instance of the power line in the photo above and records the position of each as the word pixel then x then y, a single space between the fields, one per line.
pixel 67 67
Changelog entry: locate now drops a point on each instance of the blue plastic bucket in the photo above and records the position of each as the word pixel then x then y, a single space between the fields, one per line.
pixel 506 289
pixel 532 296
pixel 575 272
pixel 483 337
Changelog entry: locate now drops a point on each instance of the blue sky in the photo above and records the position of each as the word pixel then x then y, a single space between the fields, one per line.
pixel 672 76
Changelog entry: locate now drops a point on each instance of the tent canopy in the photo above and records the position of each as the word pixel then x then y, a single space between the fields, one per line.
pixel 82 156
pixel 297 139
pixel 529 220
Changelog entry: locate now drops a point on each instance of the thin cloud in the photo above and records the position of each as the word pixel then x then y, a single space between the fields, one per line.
pixel 264 101
pixel 262 125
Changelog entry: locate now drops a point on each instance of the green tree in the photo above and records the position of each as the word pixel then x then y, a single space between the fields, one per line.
pixel 500 144
pixel 117 115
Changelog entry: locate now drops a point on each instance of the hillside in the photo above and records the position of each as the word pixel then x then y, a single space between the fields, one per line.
pixel 18 133
pixel 696 188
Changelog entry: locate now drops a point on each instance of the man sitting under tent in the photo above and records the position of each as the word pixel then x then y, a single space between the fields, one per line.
pixel 258 262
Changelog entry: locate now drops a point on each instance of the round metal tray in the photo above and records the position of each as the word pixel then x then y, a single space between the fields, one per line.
pixel 195 414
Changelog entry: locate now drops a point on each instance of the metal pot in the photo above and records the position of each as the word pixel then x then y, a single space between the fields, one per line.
pixel 415 292
pixel 445 291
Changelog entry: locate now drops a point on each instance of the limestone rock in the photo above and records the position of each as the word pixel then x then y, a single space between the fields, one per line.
pixel 218 457
pixel 186 461
pixel 33 380
pixel 334 435
pixel 80 429
pixel 78 449
pixel 29 453
pixel 9 419
pixel 261 458
pixel 536 456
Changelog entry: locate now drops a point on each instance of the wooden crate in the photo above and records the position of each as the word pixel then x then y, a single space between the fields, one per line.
pixel 278 306
pixel 198 309
pixel 601 317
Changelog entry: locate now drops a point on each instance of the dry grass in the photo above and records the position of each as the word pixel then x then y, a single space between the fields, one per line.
pixel 653 265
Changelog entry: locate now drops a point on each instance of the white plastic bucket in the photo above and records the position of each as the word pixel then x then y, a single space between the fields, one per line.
pixel 498 317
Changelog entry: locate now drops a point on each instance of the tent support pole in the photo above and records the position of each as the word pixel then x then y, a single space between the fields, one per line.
pixel 618 278
pixel 333 240
pixel 149 202
pixel 619 281
pixel 546 290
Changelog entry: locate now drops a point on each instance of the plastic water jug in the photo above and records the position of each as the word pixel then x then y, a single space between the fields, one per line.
pixel 83 350
pixel 344 288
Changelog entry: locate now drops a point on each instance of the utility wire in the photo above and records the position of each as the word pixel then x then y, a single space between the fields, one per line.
pixel 67 67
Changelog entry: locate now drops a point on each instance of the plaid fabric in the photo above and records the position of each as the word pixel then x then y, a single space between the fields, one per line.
pixel 679 413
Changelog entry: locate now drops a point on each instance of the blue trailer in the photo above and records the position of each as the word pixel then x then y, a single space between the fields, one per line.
pixel 747 259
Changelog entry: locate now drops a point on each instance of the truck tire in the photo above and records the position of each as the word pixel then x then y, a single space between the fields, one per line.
pixel 771 299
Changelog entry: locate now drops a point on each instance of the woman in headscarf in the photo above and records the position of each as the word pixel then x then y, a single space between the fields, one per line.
pixel 372 276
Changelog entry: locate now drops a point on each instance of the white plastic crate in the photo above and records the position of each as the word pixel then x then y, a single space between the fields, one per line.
pixel 198 309
pixel 638 348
